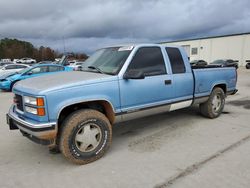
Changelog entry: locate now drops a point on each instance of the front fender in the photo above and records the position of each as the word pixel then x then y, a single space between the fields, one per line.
pixel 58 100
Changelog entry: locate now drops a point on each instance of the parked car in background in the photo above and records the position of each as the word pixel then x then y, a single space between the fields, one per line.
pixel 38 70
pixel 199 62
pixel 10 68
pixel 44 62
pixel 8 75
pixel 4 63
pixel 15 60
pixel 71 62
pixel 62 61
pixel 76 66
pixel 226 63
pixel 248 64
pixel 27 61
pixel 6 60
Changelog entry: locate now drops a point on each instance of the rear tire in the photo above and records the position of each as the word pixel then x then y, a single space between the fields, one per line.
pixel 86 136
pixel 215 104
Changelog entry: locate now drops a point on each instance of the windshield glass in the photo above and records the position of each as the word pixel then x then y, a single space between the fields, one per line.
pixel 107 60
pixel 24 70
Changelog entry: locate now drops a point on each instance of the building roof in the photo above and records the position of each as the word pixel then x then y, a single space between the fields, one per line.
pixel 210 37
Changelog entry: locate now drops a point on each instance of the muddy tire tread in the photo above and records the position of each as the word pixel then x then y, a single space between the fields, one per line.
pixel 67 127
pixel 206 108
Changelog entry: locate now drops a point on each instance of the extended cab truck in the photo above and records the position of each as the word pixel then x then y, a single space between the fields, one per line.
pixel 75 111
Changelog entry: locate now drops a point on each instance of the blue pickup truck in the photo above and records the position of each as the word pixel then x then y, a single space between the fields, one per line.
pixel 73 112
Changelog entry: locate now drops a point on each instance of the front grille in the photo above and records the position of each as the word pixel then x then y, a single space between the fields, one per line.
pixel 19 102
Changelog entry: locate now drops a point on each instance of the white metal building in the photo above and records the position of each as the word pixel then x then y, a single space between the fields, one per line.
pixel 236 47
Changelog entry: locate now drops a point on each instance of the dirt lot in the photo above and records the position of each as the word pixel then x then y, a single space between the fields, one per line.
pixel 177 149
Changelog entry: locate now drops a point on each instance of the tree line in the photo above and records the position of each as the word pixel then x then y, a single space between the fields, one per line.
pixel 17 49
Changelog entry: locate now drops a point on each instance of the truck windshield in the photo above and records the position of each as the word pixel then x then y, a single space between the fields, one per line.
pixel 107 60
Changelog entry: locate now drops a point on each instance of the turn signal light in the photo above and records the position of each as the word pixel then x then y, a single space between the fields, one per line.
pixel 40 102
pixel 40 111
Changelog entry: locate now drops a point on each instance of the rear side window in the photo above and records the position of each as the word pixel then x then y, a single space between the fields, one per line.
pixel 149 60
pixel 176 60
pixel 55 68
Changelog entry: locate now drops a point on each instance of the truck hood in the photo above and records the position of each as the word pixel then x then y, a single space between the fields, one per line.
pixel 48 83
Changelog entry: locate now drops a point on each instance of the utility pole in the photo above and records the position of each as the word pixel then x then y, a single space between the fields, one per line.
pixel 64 48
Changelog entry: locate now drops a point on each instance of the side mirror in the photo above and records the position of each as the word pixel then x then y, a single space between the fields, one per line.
pixel 29 73
pixel 134 74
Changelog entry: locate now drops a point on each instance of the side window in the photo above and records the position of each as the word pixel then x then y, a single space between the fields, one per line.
pixel 39 70
pixel 149 60
pixel 20 66
pixel 9 67
pixel 176 60
pixel 55 68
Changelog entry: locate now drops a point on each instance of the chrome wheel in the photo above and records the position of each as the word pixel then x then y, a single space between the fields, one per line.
pixel 216 103
pixel 88 137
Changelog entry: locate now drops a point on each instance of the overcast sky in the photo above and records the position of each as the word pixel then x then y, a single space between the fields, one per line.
pixel 89 25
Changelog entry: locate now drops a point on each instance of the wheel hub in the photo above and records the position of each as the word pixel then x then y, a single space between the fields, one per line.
pixel 88 137
pixel 216 103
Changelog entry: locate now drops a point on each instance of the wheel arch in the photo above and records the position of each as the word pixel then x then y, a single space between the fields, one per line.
pixel 13 83
pixel 223 86
pixel 103 106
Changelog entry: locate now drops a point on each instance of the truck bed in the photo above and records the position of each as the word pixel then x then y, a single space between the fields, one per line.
pixel 207 78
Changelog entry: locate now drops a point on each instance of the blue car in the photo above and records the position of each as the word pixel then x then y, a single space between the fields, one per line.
pixel 7 82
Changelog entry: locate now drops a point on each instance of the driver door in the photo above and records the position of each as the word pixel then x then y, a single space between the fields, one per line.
pixel 154 90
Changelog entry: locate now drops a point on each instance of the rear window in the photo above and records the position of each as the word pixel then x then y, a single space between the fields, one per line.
pixel 176 60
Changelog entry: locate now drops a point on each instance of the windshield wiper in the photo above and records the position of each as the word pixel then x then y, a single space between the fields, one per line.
pixel 96 68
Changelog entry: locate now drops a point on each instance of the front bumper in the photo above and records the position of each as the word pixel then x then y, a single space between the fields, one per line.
pixel 43 133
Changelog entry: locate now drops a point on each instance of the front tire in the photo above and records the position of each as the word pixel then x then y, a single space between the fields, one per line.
pixel 86 136
pixel 215 104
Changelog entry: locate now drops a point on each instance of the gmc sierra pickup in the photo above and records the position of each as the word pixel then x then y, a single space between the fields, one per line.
pixel 74 111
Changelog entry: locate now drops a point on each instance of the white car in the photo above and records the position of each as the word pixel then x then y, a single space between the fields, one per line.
pixel 76 65
pixel 12 68
pixel 15 60
pixel 26 61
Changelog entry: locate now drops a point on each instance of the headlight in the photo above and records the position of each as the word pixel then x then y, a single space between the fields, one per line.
pixel 37 105
pixel 29 100
pixel 33 101
pixel 36 111
pixel 31 110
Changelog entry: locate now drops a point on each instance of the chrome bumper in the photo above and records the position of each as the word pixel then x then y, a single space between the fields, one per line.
pixel 45 131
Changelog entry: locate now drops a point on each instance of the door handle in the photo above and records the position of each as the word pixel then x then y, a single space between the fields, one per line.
pixel 168 82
